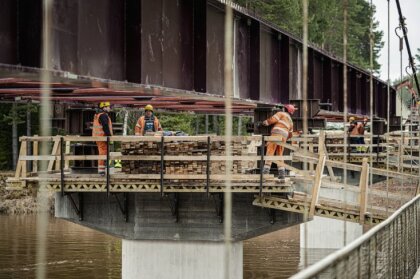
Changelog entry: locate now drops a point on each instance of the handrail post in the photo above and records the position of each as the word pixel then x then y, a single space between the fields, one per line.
pixel 208 165
pixel 262 163
pixel 107 166
pixel 162 163
pixel 62 166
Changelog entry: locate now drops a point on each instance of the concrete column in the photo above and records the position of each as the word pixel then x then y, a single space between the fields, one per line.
pixel 179 259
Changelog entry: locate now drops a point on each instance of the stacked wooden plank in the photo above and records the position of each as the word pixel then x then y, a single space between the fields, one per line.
pixel 185 148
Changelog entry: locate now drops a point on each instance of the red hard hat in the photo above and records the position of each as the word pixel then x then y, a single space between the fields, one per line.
pixel 290 108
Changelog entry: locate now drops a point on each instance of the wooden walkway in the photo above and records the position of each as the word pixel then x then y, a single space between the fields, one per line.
pixel 270 191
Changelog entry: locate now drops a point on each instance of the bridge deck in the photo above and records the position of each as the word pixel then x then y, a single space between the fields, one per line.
pixel 244 183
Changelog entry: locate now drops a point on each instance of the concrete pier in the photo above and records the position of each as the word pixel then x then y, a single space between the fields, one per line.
pixel 179 259
pixel 184 217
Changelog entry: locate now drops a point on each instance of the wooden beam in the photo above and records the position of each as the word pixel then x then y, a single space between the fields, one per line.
pixel 317 184
pixel 353 167
pixel 53 153
pixel 363 196
pixel 322 148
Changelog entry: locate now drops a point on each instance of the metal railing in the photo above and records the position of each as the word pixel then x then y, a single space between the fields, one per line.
pixel 389 250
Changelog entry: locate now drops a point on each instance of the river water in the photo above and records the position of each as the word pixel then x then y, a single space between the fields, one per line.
pixel 74 251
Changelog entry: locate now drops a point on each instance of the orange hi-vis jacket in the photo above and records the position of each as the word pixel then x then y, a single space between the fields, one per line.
pixel 283 123
pixel 97 129
pixel 141 125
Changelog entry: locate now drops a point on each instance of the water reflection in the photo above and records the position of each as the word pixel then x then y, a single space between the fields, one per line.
pixel 77 252
pixel 73 251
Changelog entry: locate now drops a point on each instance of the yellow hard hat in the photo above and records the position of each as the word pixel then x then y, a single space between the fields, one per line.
pixel 352 118
pixel 148 107
pixel 104 104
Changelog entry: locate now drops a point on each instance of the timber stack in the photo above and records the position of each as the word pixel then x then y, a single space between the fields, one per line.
pixel 185 148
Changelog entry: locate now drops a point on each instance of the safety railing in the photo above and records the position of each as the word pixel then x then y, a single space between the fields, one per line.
pixel 59 157
pixel 389 250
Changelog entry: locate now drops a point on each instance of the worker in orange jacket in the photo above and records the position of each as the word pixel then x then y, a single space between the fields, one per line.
pixel 102 126
pixel 282 128
pixel 147 123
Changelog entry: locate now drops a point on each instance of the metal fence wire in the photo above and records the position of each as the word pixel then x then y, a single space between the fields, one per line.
pixel 389 250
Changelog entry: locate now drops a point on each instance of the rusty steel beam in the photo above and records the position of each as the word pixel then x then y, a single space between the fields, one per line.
pixel 168 48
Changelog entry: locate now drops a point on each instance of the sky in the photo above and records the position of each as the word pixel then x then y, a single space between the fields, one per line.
pixel 411 11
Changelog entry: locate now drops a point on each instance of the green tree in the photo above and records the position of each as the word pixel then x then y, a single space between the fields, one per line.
pixel 325 25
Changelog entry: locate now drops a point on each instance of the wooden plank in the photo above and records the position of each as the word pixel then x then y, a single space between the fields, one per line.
pixel 363 196
pixel 24 151
pixel 241 177
pixel 342 165
pixel 323 148
pixel 311 149
pixel 20 163
pixel 53 152
pixel 57 165
pixel 317 183
pixel 118 156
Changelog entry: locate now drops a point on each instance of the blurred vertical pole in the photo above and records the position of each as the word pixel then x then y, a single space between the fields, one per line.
pixel 228 137
pixel 239 125
pixel 305 112
pixel 15 141
pixel 207 124
pixel 45 129
pixel 29 133
pixel 371 91
pixel 387 117
pixel 345 26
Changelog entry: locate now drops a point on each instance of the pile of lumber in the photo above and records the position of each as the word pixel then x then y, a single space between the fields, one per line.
pixel 184 148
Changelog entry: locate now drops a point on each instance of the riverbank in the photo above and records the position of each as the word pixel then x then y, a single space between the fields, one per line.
pixel 19 201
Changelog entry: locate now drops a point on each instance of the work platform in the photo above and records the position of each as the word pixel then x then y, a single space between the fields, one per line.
pixel 202 161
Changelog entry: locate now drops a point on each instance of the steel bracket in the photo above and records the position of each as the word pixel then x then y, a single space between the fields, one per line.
pixel 173 199
pixel 123 205
pixel 219 205
pixel 78 208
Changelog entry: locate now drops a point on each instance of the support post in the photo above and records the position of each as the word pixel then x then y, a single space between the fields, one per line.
pixel 363 196
pixel 317 184
pixel 107 166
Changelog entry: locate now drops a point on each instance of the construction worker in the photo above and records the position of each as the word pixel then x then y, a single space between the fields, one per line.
pixel 356 129
pixel 102 126
pixel 282 128
pixel 147 123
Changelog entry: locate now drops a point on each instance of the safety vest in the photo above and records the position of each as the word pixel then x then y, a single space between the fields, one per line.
pixel 97 129
pixel 149 124
pixel 282 123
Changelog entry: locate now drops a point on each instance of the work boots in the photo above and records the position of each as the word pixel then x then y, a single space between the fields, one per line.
pixel 282 173
pixel 266 170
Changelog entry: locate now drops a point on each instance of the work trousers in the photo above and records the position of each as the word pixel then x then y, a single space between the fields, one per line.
pixel 274 149
pixel 102 150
